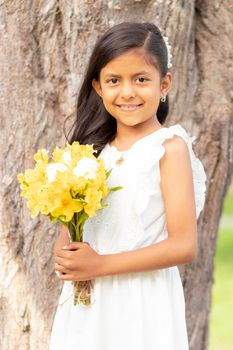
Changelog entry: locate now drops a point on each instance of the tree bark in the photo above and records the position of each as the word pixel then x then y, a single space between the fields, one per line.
pixel 211 115
pixel 44 47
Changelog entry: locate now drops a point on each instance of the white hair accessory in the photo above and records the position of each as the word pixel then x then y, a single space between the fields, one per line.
pixel 169 55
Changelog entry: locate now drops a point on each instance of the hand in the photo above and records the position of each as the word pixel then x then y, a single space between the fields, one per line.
pixel 77 262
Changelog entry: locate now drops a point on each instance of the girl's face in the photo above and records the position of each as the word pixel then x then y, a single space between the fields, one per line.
pixel 131 89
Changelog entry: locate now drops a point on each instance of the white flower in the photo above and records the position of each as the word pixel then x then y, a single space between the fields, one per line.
pixel 51 170
pixel 67 158
pixel 86 167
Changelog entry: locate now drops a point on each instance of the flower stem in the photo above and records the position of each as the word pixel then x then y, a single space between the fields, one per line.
pixel 82 289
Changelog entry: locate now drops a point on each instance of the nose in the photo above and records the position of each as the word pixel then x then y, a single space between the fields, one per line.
pixel 127 90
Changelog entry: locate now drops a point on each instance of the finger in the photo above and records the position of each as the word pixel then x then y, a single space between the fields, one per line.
pixel 67 277
pixel 75 245
pixel 59 260
pixel 62 253
pixel 61 268
pixel 65 263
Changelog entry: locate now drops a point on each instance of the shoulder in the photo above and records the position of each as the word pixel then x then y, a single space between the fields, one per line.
pixel 176 149
pixel 175 167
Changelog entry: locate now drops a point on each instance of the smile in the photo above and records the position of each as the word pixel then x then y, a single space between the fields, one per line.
pixel 129 108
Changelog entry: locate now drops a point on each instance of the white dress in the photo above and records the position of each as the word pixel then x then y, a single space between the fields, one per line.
pixel 140 310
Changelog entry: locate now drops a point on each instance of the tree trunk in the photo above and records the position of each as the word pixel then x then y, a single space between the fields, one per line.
pixel 44 50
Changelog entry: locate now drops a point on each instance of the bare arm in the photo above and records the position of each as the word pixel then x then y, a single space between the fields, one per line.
pixel 178 193
pixel 80 262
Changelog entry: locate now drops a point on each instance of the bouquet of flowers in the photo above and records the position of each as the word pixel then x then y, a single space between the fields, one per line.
pixel 69 189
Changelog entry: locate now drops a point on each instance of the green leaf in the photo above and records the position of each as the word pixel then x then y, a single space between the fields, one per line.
pixel 108 172
pixel 62 218
pixel 85 188
pixel 53 219
pixel 116 188
pixel 81 200
pixel 105 205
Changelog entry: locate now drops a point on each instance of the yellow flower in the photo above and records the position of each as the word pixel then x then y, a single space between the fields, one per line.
pixel 70 189
pixel 93 199
pixel 74 182
pixel 41 157
pixel 65 206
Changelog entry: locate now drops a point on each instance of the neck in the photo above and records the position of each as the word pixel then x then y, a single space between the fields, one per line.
pixel 125 137
pixel 125 134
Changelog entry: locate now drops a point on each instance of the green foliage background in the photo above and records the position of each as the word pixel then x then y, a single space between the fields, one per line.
pixel 221 320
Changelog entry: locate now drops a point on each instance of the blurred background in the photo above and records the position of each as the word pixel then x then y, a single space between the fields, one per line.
pixel 221 321
pixel 44 49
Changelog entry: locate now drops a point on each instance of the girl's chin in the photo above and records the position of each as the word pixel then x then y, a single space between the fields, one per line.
pixel 129 122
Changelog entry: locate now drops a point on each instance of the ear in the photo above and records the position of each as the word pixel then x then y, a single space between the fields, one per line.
pixel 96 86
pixel 166 84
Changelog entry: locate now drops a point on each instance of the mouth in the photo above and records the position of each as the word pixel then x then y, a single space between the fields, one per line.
pixel 129 107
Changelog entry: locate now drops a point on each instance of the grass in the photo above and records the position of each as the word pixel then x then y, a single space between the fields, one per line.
pixel 221 318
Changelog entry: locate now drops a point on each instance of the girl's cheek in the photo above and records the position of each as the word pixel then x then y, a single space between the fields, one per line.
pixel 111 90
pixel 110 96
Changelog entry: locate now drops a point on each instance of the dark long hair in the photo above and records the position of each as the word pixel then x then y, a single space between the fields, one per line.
pixel 93 123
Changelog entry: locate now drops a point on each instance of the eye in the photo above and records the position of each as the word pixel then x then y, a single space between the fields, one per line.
pixel 142 79
pixel 112 81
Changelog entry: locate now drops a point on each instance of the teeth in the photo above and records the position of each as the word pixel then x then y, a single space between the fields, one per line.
pixel 129 107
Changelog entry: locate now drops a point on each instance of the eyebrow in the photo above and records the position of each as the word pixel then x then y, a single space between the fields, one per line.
pixel 118 76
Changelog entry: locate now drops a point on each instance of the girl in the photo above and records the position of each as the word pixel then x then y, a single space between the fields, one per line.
pixel 132 247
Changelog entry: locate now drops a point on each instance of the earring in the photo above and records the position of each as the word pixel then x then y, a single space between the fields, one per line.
pixel 163 99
